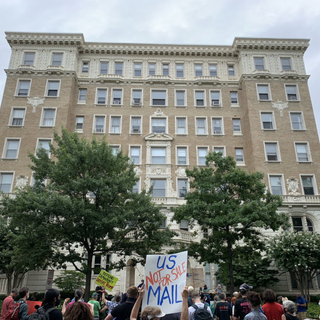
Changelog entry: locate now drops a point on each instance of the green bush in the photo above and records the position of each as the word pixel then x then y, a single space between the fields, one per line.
pixel 313 310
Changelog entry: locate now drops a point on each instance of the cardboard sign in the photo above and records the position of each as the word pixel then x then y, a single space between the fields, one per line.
pixel 165 278
pixel 106 280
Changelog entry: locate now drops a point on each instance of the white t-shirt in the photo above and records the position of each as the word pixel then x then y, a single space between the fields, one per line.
pixel 192 309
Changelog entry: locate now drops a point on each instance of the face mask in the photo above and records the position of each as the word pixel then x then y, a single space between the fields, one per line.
pixel 58 302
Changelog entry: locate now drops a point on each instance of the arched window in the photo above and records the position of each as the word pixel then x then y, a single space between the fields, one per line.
pixel 309 225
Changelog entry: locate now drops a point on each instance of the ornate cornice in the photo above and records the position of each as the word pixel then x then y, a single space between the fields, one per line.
pixel 67 73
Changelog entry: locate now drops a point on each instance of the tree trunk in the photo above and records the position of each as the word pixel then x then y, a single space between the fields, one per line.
pixel 230 253
pixel 86 296
pixel 9 281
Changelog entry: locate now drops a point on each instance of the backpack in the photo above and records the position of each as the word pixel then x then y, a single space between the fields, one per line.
pixel 40 314
pixel 13 311
pixel 201 313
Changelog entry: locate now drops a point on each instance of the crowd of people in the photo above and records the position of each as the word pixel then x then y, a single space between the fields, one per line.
pixel 203 305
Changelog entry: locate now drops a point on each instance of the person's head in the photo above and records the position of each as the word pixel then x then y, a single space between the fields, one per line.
pixel 289 306
pixel 219 287
pixel 202 296
pixel 99 289
pixel 233 300
pixel 117 298
pixel 244 288
pixel 52 297
pixel 133 292
pixel 269 296
pixel 254 299
pixel 149 313
pixel 279 299
pixel 78 295
pixel 78 311
pixel 195 296
pixel 222 296
pixel 24 293
pixel 235 293
pixel 216 298
pixel 190 290
pixel 298 294
pixel 14 292
pixel 142 281
pixel 94 296
pixel 205 286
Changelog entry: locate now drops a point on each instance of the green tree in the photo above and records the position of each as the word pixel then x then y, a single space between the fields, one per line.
pixel 232 207
pixel 70 280
pixel 299 254
pixel 88 204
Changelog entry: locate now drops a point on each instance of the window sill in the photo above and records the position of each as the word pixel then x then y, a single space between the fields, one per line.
pixel 8 159
pixel 80 102
pixel 241 164
pixel 300 162
pixel 299 130
pixel 235 105
pixel 116 105
pixel 46 126
pixel 100 105
pixel 115 133
pixel 275 130
pixel 218 134
pixel 238 134
pixel 180 106
pixel 136 133
pixel 182 134
pixel 51 97
pixel 78 131
pixel 158 106
pixel 13 126
pixel 204 107
pixel 16 96
pixel 202 135
pixel 273 161
pixel 294 101
pixel 99 133
pixel 265 100
pixel 182 165
pixel 217 106
pixel 136 105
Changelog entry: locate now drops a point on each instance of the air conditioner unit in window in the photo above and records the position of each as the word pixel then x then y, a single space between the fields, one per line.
pixel 136 130
pixel 136 101
pixel 116 101
pixel 292 98
pixel 215 103
pixel 217 132
pixel 99 130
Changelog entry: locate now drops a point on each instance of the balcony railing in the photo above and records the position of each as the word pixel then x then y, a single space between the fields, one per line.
pixel 301 198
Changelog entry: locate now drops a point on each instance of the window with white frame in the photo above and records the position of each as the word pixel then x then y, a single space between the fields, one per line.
pixel 152 69
pixel 180 97
pixel 182 156
pixel 286 63
pixel 159 187
pixel 202 153
pixel 308 185
pixel 6 180
pixel 17 116
pixel 215 98
pixel 11 148
pixel 23 88
pixel 118 68
pixel 57 59
pixel 236 126
pixel 97 264
pixel 44 144
pixel 82 95
pixel 198 70
pixel 302 151
pixel 99 124
pixel 217 126
pixel 267 120
pixel 184 225
pixel 136 97
pixel 179 70
pixel 53 88
pixel 159 97
pixel 85 66
pixel 135 188
pixel 181 123
pixel 115 124
pixel 158 125
pixel 263 92
pixel 158 155
pixel 276 184
pixel 101 96
pixel 259 63
pixel 239 155
pixel 272 151
pixel 79 123
pixel 182 187
pixel 48 117
pixel 115 149
pixel 200 99
pixel 219 149
pixel 292 92
pixel 297 122
pixel 104 67
pixel 213 71
pixel 116 96
pixel 137 69
pixel 165 69
pixel 230 69
pixel 297 224
pixel 28 59
pixel 135 154
pixel 234 97
pixel 201 126
pixel 136 124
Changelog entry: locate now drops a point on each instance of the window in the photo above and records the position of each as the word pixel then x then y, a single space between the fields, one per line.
pixel 17 117
pixel 297 121
pixel 136 125
pixel 135 155
pixel 164 224
pixel 181 124
pixel 259 63
pixel 53 88
pixel 184 225
pixel 104 66
pixel 159 187
pixel 48 117
pixel 44 144
pixel 6 182
pixel 297 224
pixel 115 124
pixel 152 69
pixel 158 155
pixel 118 68
pixel 57 59
pixel 11 149
pixel 267 120
pixel 276 185
pixel 239 155
pixel 231 70
pixel 179 70
pixel 201 125
pixel 82 95
pixel 309 225
pixel 182 187
pixel 286 63
pixel 23 88
pixel 28 58
pixel 272 151
pixel 202 153
pixel 99 124
pixel 97 264
pixel 79 123
pixel 158 125
pixel 234 97
pixel 200 98
pixel 85 67
pixel 215 98
pixel 101 96
pixel 220 149
pixel 137 69
pixel 198 70
pixel 116 96
pixel 182 155
pixel 136 97
pixel 302 151
pixel 236 126
pixel 308 185
pixel 165 69
pixel 158 97
pixel 115 150
pixel 217 126
pixel 180 98
pixel 213 70
pixel 292 92
pixel 263 92
pixel 135 188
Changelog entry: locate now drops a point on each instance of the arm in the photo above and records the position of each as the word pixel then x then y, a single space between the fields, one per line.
pixel 64 305
pixel 104 308
pixel 136 307
pixel 91 308
pixel 23 312
pixel 185 311
pixel 283 317
pixel 109 317
pixel 104 295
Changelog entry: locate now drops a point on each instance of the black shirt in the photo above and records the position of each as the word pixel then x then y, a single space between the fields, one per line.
pixel 123 311
pixel 242 308
pixel 54 314
pixel 223 310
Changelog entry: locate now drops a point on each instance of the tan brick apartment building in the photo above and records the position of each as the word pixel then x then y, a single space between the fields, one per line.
pixel 167 106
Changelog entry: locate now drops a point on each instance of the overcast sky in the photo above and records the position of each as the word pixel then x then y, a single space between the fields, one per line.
pixel 169 21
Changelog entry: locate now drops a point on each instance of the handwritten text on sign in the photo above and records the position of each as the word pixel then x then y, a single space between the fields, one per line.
pixel 164 282
pixel 106 279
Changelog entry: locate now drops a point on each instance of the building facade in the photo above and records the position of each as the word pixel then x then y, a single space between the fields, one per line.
pixel 167 106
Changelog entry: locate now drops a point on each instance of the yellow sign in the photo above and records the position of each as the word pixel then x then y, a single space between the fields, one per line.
pixel 106 280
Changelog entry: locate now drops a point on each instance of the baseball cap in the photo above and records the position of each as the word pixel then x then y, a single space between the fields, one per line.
pixel 157 316
pixel 244 286
pixel 94 295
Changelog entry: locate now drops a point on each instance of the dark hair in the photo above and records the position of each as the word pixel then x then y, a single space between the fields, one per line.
pixel 195 295
pixel 117 298
pixel 78 311
pixel 201 295
pixel 14 290
pixel 23 292
pixel 254 298
pixel 269 296
pixel 279 299
pixel 222 296
pixel 78 295
pixel 98 288
pixel 49 297
pixel 243 291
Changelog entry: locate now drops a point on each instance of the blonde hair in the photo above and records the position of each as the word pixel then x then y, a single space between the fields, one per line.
pixel 152 312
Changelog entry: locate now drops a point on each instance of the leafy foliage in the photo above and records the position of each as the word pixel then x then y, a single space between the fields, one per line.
pixel 70 280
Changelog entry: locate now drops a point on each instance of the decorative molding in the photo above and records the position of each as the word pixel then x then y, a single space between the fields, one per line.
pixel 21 181
pixel 181 172
pixel 137 171
pixel 35 102
pixel 280 106
pixel 293 186
pixel 158 113
pixel 159 137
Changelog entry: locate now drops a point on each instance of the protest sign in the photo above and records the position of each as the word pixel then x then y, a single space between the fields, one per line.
pixel 165 278
pixel 106 279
